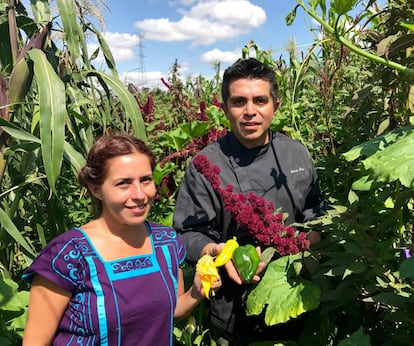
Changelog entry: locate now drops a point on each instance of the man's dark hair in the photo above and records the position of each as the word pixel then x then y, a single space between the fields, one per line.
pixel 250 69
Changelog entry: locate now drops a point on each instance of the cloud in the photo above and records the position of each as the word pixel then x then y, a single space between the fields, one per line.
pixel 122 46
pixel 147 79
pixel 206 22
pixel 216 56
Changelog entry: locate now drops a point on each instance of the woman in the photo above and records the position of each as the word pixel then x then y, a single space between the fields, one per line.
pixel 115 280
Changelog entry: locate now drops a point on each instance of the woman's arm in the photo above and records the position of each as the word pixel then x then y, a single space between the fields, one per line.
pixel 47 304
pixel 188 300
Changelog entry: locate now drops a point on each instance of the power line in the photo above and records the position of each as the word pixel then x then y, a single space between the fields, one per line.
pixel 143 75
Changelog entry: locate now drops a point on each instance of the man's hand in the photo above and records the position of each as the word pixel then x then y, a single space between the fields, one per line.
pixel 234 275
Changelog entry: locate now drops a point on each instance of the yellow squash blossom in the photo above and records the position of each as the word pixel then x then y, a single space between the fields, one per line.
pixel 207 270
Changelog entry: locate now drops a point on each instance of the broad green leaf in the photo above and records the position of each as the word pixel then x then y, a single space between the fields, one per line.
pixel 10 228
pixel 52 108
pixel 359 338
pixel 180 136
pixel 341 7
pixel 281 296
pixel 365 183
pixel 13 303
pixel 395 162
pixel 371 147
pixel 127 100
pixel 407 268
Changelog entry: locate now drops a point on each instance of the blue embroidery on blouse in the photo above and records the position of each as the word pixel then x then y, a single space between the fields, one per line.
pixel 132 264
pixel 72 253
pixel 163 233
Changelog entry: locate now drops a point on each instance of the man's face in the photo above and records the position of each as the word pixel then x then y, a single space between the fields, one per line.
pixel 250 110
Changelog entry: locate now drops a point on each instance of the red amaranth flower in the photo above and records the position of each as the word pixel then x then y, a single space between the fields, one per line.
pixel 254 214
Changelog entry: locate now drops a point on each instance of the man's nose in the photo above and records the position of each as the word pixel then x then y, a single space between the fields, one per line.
pixel 250 108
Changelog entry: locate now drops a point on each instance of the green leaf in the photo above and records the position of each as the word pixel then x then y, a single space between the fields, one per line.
pixel 341 7
pixel 394 162
pixel 71 27
pixel 356 339
pixel 41 11
pixel 407 268
pixel 290 17
pixel 369 148
pixel 17 132
pixel 365 183
pixel 106 51
pixel 400 45
pixel 293 297
pixel 180 136
pixel 409 25
pixel 10 228
pixel 127 100
pixel 75 158
pixel 52 108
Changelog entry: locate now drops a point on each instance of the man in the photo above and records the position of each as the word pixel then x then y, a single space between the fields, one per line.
pixel 254 159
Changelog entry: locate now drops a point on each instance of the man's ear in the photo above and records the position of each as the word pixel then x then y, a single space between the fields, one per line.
pixel 224 107
pixel 277 104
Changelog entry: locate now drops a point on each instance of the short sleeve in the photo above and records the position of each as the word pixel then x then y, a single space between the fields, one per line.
pixel 181 250
pixel 61 261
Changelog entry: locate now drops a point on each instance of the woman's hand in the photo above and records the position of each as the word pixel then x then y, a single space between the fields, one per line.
pixel 197 290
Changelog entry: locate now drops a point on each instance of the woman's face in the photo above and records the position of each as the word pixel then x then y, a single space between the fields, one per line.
pixel 250 110
pixel 128 190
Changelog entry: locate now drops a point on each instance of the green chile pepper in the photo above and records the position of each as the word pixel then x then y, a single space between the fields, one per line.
pixel 246 260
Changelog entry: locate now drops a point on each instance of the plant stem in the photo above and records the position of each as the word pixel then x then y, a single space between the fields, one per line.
pixel 354 48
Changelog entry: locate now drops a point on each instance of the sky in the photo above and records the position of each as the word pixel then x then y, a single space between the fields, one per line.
pixel 146 37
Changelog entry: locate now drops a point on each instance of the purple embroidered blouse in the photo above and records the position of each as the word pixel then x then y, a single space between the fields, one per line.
pixel 129 301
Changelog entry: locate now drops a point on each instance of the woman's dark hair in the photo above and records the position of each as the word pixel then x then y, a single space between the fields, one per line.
pixel 250 69
pixel 106 148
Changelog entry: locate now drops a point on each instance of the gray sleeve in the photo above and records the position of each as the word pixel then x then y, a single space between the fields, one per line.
pixel 195 213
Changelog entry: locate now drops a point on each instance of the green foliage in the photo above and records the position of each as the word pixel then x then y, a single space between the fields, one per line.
pixel 13 306
pixel 295 295
pixel 349 99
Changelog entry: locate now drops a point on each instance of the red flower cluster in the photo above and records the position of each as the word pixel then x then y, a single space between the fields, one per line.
pixel 254 214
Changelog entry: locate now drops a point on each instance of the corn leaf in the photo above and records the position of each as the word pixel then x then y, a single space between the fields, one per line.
pixel 106 51
pixel 10 228
pixel 52 108
pixel 17 132
pixel 71 27
pixel 132 111
pixel 41 11
pixel 75 158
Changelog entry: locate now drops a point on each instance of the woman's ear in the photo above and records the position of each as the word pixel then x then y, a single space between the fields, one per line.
pixel 95 191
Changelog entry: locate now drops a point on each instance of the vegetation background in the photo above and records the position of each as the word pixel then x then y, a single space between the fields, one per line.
pixel 349 99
